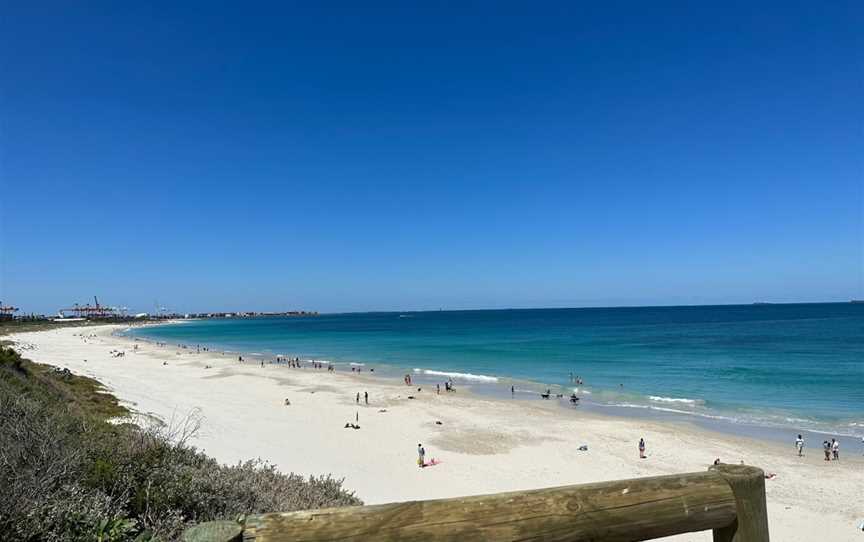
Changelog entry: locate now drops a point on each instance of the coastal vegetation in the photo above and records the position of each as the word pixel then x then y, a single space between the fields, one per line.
pixel 73 467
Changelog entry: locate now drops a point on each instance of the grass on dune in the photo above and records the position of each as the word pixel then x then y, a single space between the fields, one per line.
pixel 67 474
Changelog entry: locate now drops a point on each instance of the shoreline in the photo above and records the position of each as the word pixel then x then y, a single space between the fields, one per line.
pixel 485 444
pixel 494 386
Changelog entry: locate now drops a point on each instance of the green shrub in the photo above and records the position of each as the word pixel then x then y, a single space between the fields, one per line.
pixel 69 475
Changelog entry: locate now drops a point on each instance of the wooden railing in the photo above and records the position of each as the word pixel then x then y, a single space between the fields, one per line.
pixel 728 499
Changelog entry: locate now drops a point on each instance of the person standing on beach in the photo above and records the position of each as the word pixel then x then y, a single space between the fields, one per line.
pixel 826 447
pixel 366 396
pixel 835 449
pixel 358 397
pixel 799 445
pixel 512 390
pixel 421 456
pixel 641 448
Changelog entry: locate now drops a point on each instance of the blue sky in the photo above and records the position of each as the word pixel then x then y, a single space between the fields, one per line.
pixel 363 156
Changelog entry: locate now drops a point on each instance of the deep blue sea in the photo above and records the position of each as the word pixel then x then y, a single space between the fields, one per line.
pixel 791 365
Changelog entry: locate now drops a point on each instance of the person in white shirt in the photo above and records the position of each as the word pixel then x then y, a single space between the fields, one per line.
pixel 799 445
pixel 835 448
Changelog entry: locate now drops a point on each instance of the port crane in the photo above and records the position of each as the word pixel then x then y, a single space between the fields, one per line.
pixel 89 311
pixel 7 311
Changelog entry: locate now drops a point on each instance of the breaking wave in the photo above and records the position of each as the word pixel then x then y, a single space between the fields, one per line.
pixel 681 400
pixel 458 376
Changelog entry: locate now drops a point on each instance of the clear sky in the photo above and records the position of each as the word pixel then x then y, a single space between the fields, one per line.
pixel 416 155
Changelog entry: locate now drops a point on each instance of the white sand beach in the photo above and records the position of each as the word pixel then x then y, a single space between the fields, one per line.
pixel 484 445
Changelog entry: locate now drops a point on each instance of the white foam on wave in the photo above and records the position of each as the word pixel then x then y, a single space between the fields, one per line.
pixel 673 410
pixel 582 391
pixel 659 399
pixel 458 376
pixel 796 420
pixel 357 364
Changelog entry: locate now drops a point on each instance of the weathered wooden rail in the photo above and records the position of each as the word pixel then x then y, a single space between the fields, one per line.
pixel 728 499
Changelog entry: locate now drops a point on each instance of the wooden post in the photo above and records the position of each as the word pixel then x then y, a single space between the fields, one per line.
pixel 748 486
pixel 214 531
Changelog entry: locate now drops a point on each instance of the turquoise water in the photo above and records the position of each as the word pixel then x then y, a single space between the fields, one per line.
pixel 798 366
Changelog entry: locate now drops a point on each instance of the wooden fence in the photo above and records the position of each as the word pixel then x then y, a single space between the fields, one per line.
pixel 728 499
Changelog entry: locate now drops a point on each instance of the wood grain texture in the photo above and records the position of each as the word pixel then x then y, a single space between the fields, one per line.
pixel 624 510
pixel 748 486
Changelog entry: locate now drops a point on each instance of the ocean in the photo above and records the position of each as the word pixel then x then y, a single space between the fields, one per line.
pixel 791 366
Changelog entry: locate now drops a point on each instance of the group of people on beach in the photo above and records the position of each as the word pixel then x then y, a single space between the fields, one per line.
pixel 291 362
pixel 448 386
pixel 830 449
pixel 296 363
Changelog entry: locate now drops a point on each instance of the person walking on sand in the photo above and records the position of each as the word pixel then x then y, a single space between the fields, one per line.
pixel 799 445
pixel 641 448
pixel 421 456
pixel 366 396
pixel 835 449
pixel 358 397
